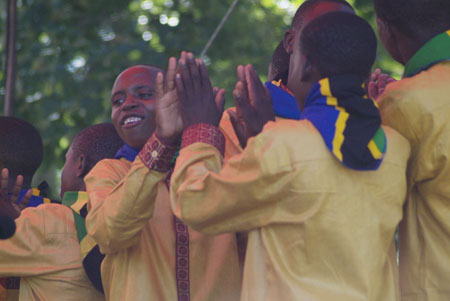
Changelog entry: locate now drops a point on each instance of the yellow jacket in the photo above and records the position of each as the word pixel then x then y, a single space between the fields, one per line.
pixel 131 220
pixel 419 108
pixel 45 253
pixel 318 231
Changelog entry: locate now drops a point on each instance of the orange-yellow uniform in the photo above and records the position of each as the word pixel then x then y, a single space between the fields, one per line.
pixel 150 255
pixel 45 253
pixel 317 230
pixel 418 107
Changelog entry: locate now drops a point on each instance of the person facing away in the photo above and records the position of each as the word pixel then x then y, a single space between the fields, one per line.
pixel 417 34
pixel 150 254
pixel 45 250
pixel 283 102
pixel 320 197
pixel 21 152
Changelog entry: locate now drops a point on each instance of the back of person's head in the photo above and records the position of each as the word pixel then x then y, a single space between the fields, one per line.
pixel 21 148
pixel 279 64
pixel 339 43
pixel 310 5
pixel 420 19
pixel 96 142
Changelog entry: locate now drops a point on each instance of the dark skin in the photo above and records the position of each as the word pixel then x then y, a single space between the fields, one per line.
pixel 200 103
pixel 8 204
pixel 253 105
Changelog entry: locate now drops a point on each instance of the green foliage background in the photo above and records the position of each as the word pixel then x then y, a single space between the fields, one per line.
pixel 70 51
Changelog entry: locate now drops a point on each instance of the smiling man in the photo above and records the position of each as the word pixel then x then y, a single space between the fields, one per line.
pixel 150 254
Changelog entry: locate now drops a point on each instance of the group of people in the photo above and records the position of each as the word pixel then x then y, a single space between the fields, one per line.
pixel 296 193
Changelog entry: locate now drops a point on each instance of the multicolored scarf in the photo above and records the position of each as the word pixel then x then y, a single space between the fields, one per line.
pixel 433 52
pixel 90 253
pixel 349 121
pixel 38 197
pixel 283 102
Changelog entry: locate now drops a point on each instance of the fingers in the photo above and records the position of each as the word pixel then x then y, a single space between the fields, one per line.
pixel 16 189
pixel 220 101
pixel 205 81
pixel 180 89
pixel 186 75
pixel 25 200
pixel 243 106
pixel 372 90
pixel 4 183
pixel 159 87
pixel 195 74
pixel 255 87
pixel 240 70
pixel 239 128
pixel 170 77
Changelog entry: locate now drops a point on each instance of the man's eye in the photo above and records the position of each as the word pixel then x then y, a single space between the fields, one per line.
pixel 118 101
pixel 145 95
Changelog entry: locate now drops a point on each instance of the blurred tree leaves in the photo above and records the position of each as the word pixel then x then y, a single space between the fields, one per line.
pixel 70 51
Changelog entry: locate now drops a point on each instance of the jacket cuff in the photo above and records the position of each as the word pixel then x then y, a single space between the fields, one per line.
pixel 156 155
pixel 205 133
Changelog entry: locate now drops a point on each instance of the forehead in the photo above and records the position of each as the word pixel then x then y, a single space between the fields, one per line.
pixel 323 8
pixel 136 76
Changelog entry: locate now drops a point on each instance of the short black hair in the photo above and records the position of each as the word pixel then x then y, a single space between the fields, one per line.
pixel 340 43
pixel 280 63
pixel 311 4
pixel 96 142
pixel 21 148
pixel 415 18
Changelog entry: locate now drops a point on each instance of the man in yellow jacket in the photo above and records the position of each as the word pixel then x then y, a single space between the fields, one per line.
pixel 417 34
pixel 320 197
pixel 151 254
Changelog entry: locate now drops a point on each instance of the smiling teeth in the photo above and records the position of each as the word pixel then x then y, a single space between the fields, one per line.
pixel 132 119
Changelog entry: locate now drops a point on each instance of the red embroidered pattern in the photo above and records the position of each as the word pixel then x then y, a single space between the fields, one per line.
pixel 156 155
pixel 181 255
pixel 206 133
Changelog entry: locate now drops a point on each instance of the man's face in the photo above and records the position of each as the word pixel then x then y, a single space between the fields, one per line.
pixel 133 104
pixel 69 179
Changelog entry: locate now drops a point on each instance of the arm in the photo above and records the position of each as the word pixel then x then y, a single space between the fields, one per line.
pixel 241 195
pixel 122 196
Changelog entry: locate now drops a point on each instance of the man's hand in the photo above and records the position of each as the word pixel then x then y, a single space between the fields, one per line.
pixel 253 105
pixel 8 204
pixel 199 102
pixel 169 124
pixel 377 84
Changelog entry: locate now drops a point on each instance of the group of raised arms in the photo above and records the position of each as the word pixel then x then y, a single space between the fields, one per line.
pixel 330 181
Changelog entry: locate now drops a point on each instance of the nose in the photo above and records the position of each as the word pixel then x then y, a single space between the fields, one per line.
pixel 130 103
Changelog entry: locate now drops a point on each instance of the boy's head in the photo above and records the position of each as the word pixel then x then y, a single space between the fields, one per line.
pixel 133 104
pixel 333 44
pixel 21 149
pixel 308 11
pixel 89 146
pixel 406 25
pixel 279 66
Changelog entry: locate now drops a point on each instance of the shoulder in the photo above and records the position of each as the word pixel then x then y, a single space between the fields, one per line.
pixel 112 169
pixel 51 218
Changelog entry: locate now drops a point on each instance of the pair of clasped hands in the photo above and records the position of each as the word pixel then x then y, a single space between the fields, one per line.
pixel 186 97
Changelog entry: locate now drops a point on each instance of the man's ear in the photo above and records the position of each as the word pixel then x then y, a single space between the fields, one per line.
pixel 81 166
pixel 288 41
pixel 307 69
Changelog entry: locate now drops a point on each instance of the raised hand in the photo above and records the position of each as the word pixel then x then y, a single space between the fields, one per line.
pixel 199 101
pixel 253 105
pixel 8 204
pixel 377 83
pixel 169 124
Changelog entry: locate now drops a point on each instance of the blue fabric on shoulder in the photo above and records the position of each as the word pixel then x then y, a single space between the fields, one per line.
pixel 283 102
pixel 126 152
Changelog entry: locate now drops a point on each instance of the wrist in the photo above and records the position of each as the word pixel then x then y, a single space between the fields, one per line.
pixel 204 133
